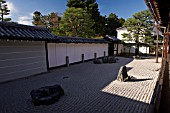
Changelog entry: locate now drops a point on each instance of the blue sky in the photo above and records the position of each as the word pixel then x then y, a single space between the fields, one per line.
pixel 22 10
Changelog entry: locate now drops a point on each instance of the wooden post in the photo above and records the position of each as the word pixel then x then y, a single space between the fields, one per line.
pixel 82 58
pixel 166 45
pixel 117 48
pixel 157 35
pixel 67 61
pixel 95 56
pixel 104 53
pixel 46 52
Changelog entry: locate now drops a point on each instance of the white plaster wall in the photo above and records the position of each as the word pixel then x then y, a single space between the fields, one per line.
pixel 52 54
pixel 89 54
pixel 71 53
pixel 61 53
pixel 21 59
pixel 120 32
pixel 57 52
pixel 120 48
pixel 143 49
pixel 100 50
pixel 78 52
pixel 132 49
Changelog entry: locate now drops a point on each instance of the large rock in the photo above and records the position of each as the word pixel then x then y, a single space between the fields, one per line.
pixel 111 60
pixel 122 75
pixel 105 59
pixel 97 61
pixel 46 95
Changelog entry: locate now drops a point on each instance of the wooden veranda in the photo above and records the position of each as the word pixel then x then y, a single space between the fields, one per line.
pixel 160 10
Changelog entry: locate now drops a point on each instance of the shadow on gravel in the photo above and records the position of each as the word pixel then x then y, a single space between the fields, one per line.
pixel 134 79
pixel 139 80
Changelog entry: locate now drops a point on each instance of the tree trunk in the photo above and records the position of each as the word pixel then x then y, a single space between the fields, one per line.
pixel 2 15
pixel 146 50
pixel 137 50
pixel 129 50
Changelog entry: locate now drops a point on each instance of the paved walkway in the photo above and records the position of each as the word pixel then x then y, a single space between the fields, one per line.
pixel 89 88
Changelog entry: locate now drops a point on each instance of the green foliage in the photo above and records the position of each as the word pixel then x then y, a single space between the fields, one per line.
pixel 85 17
pixel 50 21
pixel 38 19
pixel 102 25
pixel 121 21
pixel 76 22
pixel 139 28
pixel 76 3
pixel 113 22
pixel 4 11
pixel 91 7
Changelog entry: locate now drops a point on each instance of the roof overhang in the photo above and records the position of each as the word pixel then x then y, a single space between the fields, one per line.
pixel 160 10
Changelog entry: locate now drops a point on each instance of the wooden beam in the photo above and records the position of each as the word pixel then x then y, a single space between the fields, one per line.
pixel 157 35
pixel 167 33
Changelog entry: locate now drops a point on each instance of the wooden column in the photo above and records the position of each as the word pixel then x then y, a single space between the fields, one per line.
pixel 157 35
pixel 117 48
pixel 46 52
pixel 166 44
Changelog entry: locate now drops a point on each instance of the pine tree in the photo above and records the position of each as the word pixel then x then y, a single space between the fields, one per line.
pixel 91 7
pixel 77 22
pixel 4 11
pixel 139 28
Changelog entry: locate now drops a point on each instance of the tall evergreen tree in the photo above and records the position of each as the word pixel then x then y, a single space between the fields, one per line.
pixel 91 7
pixel 112 23
pixel 4 11
pixel 139 28
pixel 76 22
pixel 38 19
pixel 121 21
pixel 76 3
pixel 50 21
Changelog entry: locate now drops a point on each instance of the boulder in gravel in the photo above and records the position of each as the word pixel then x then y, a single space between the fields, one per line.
pixel 122 75
pixel 111 60
pixel 105 59
pixel 46 95
pixel 97 61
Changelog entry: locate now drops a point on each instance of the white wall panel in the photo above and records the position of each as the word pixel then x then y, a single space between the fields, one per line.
pixel 71 53
pixel 100 49
pixel 61 53
pixel 85 50
pixel 58 52
pixel 21 59
pixel 78 52
pixel 90 51
pixel 120 48
pixel 52 54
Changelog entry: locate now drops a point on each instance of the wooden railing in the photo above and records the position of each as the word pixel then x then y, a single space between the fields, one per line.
pixel 155 102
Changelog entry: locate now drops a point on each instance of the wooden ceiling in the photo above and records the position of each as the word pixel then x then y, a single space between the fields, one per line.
pixel 160 9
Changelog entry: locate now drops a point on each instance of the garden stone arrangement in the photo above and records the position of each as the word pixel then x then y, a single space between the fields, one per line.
pixel 46 95
pixel 108 59
pixel 97 61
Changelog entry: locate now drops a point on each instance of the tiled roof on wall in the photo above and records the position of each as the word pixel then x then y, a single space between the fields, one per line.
pixel 64 39
pixel 112 38
pixel 23 32
pixel 13 31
